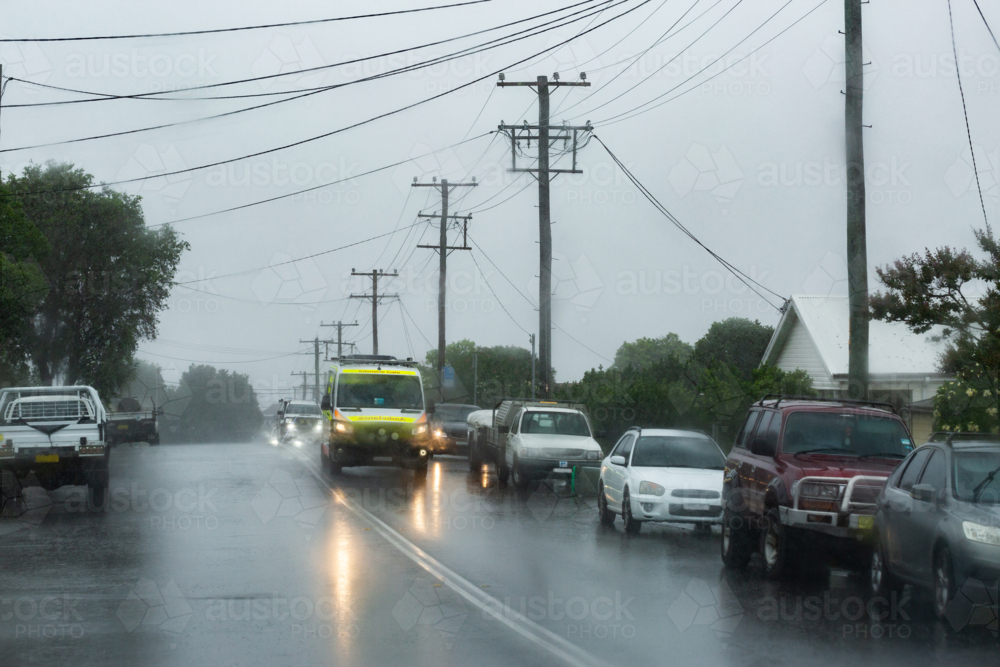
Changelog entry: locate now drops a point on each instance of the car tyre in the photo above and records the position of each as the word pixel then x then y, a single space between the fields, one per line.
pixel 475 458
pixel 503 472
pixel 881 582
pixel 518 476
pixel 735 541
pixel 775 545
pixel 96 493
pixel 420 472
pixel 944 581
pixel 606 515
pixel 336 468
pixel 632 526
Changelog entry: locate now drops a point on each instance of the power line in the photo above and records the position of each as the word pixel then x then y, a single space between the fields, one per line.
pixel 965 112
pixel 744 278
pixel 976 2
pixel 239 29
pixel 332 132
pixel 493 292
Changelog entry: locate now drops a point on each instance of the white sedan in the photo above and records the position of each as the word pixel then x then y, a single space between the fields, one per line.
pixel 662 475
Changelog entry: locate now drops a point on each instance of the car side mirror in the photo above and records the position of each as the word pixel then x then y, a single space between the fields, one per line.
pixel 761 447
pixel 617 460
pixel 324 402
pixel 923 492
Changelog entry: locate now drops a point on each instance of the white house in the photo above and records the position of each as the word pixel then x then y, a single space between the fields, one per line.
pixel 813 335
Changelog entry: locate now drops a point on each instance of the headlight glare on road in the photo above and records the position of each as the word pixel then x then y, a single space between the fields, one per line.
pixel 977 532
pixel 650 489
pixel 821 491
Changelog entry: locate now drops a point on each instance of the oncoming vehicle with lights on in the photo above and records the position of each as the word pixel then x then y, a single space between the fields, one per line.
pixel 375 408
pixel 299 423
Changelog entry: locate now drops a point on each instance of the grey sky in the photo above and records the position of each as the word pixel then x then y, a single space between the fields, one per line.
pixel 750 162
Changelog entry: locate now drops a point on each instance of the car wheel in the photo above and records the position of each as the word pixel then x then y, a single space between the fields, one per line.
pixel 335 466
pixel 420 472
pixel 632 526
pixel 881 583
pixel 736 550
pixel 475 458
pixel 324 460
pixel 503 472
pixel 944 581
pixel 96 492
pixel 775 545
pixel 518 476
pixel 607 516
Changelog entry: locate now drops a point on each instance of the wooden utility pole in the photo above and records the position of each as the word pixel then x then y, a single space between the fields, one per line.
pixel 374 297
pixel 442 248
pixel 544 137
pixel 531 337
pixel 305 386
pixel 340 334
pixel 857 252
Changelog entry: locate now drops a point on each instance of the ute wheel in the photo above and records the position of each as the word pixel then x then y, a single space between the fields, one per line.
pixel 503 472
pixel 518 476
pixel 475 458
pixel 632 526
pixel 96 492
pixel 736 550
pixel 607 516
pixel 944 582
pixel 420 472
pixel 881 583
pixel 776 546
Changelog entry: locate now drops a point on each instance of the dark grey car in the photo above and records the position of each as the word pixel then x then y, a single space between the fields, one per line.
pixel 937 525
pixel 449 430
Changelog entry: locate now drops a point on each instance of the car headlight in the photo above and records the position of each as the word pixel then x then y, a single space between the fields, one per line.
pixel 821 491
pixel 343 427
pixel 977 532
pixel 288 421
pixel 439 433
pixel 594 456
pixel 650 489
pixel 420 429
pixel 530 452
pixel 319 426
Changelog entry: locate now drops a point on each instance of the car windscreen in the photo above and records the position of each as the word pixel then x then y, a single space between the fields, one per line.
pixel 971 476
pixel 303 409
pixel 370 390
pixel 555 423
pixel 661 451
pixel 453 413
pixel 845 434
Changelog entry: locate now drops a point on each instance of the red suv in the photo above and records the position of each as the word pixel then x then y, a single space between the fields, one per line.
pixel 807 467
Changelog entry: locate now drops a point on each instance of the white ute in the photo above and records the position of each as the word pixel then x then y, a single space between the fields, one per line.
pixel 56 433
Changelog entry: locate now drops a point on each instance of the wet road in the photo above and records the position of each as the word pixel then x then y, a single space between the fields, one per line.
pixel 251 555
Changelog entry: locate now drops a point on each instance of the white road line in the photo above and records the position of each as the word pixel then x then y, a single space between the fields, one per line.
pixel 519 623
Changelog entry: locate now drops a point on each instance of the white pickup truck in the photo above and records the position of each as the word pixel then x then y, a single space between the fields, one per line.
pixel 530 439
pixel 57 433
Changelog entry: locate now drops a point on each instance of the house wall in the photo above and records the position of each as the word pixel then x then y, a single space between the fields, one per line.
pixel 799 352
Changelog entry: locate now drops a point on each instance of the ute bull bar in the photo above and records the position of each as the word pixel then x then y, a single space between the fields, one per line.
pixel 852 513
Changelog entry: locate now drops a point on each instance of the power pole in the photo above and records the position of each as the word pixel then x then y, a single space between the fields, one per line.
pixel 316 341
pixel 545 138
pixel 532 338
pixel 375 298
pixel 305 386
pixel 475 378
pixel 857 252
pixel 340 334
pixel 442 248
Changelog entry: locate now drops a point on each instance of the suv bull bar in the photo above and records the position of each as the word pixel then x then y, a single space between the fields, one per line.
pixel 851 514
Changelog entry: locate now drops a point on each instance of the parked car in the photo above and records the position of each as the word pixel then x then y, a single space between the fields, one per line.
pixel 661 475
pixel 938 519
pixel 449 429
pixel 130 423
pixel 58 435
pixel 807 467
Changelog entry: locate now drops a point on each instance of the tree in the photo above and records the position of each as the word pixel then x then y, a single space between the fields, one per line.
pixel 736 342
pixel 647 351
pixel 502 371
pixel 212 405
pixel 940 287
pixel 108 276
pixel 969 403
pixel 22 286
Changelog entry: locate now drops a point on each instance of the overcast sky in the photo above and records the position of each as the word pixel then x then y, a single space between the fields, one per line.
pixel 750 161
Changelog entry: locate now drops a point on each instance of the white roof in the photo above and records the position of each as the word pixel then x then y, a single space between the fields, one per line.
pixel 893 348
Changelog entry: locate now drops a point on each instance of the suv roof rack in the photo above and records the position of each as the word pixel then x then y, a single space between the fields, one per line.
pixel 951 438
pixel 822 399
pixel 538 401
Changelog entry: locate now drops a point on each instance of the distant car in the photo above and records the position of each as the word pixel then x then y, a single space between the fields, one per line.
pixel 449 430
pixel 299 423
pixel 937 524
pixel 662 475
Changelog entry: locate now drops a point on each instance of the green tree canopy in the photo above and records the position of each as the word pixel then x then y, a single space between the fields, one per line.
pixel 737 342
pixel 211 405
pixel 648 351
pixel 108 276
pixel 502 371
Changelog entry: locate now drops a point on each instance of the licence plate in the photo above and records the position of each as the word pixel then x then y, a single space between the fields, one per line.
pixel 697 506
pixel 866 522
pixel 123 427
pixel 46 458
pixel 564 464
